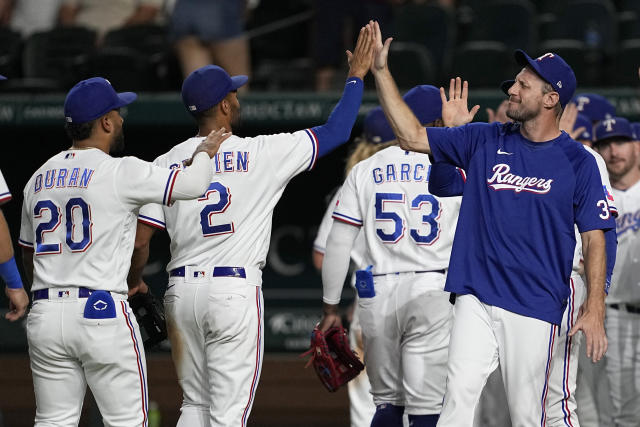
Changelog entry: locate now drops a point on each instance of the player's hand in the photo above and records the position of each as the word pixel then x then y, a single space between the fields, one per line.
pixel 591 323
pixel 380 50
pixel 18 303
pixel 500 114
pixel 140 288
pixel 330 317
pixel 568 121
pixel 211 143
pixel 362 56
pixel 455 111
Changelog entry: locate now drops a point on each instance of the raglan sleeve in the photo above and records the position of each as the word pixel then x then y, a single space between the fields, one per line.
pixel 320 242
pixel 140 183
pixel 292 153
pixel 457 145
pixel 591 209
pixel 347 208
pixel 152 214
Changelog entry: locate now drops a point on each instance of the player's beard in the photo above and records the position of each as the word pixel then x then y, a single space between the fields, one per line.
pixel 117 146
pixel 622 166
pixel 235 116
pixel 519 113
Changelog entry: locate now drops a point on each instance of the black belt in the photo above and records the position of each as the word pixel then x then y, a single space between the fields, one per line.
pixel 626 307
pixel 217 272
pixel 423 271
pixel 44 293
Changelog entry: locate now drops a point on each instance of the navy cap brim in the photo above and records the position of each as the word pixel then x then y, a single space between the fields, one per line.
pixel 125 98
pixel 237 81
pixel 506 85
pixel 620 136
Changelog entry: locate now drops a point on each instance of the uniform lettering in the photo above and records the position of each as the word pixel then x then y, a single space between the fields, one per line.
pixel 228 161
pixel 61 178
pixel 377 176
pixel 232 161
pixel 503 180
pixel 37 184
pixel 86 177
pixel 49 178
pixel 630 221
pixel 75 174
pixel 243 161
pixel 408 172
pixel 404 172
pixel 391 173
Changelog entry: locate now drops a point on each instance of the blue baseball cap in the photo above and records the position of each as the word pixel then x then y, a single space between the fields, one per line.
pixel 552 69
pixel 376 127
pixel 207 86
pixel 614 127
pixel 636 130
pixel 425 102
pixel 93 98
pixel 594 106
pixel 584 121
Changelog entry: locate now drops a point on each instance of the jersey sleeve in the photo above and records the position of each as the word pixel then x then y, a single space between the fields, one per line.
pixel 139 182
pixel 347 208
pixel 26 238
pixel 458 144
pixel 152 214
pixel 446 180
pixel 5 194
pixel 606 185
pixel 292 153
pixel 590 206
pixel 320 242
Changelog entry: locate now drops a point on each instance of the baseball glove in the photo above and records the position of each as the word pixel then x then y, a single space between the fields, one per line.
pixel 332 357
pixel 149 313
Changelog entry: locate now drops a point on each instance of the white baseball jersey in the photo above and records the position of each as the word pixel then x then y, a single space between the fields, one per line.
pixel 230 225
pixel 5 194
pixel 79 217
pixel 359 246
pixel 625 283
pixel 606 186
pixel 405 228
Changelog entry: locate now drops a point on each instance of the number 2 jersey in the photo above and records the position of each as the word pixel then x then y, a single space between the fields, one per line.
pixel 230 225
pixel 405 228
pixel 79 216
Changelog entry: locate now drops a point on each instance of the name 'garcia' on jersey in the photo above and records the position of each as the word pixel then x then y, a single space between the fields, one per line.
pixel 404 172
pixel 63 177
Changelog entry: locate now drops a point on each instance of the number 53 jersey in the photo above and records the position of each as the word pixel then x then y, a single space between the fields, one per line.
pixel 406 228
pixel 79 217
pixel 230 225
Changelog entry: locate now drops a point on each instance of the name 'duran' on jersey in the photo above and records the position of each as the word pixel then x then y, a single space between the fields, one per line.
pixel 502 179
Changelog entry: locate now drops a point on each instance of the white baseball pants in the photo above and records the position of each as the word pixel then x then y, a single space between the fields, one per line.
pixel 216 330
pixel 405 329
pixel 69 352
pixel 623 365
pixel 484 336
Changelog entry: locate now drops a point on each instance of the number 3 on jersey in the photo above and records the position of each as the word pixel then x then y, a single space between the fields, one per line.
pixel 399 223
pixel 211 209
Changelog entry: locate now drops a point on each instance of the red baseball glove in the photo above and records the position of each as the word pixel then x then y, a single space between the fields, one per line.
pixel 332 357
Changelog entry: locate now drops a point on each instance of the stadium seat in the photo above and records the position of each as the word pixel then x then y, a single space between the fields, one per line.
pixel 629 25
pixel 411 65
pixel 286 75
pixel 148 38
pixel 430 25
pixel 485 64
pixel 593 22
pixel 125 68
pixel 625 72
pixel 512 22
pixel 585 65
pixel 10 53
pixel 58 54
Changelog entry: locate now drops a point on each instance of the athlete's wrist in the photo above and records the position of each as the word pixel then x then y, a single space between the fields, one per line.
pixel 10 275
pixel 329 308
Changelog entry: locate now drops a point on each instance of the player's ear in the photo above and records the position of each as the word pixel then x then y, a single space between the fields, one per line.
pixel 105 123
pixel 225 107
pixel 550 99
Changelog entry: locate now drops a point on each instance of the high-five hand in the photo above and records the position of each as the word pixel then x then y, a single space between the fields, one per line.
pixel 360 60
pixel 455 111
pixel 380 50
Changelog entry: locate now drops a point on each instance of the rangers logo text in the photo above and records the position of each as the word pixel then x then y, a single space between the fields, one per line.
pixel 503 180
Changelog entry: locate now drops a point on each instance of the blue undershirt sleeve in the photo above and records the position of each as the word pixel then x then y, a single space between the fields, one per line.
pixel 611 246
pixel 445 180
pixel 337 130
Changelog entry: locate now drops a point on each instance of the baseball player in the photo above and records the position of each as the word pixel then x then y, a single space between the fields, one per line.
pixel 377 135
pixel 595 107
pixel 219 243
pixel 18 299
pixel 404 312
pixel 527 185
pixel 77 234
pixel 618 144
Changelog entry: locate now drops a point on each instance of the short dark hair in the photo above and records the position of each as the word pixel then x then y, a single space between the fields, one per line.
pixel 79 131
pixel 204 115
pixel 546 88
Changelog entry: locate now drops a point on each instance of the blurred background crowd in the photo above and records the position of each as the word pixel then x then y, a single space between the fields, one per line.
pixel 149 45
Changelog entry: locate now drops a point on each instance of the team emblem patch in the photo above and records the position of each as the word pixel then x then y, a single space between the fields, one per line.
pixel 100 305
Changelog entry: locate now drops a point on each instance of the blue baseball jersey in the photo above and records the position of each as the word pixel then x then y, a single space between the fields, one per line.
pixel 515 240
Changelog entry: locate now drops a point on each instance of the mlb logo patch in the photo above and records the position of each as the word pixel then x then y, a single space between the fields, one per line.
pixel 70 155
pixel 64 294
pixel 197 274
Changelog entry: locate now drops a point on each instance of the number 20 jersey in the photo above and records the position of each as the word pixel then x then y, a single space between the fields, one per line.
pixel 230 225
pixel 79 217
pixel 406 228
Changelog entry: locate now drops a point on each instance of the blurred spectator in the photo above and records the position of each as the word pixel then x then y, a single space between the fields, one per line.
pixel 594 106
pixel 29 16
pixel 105 15
pixel 336 20
pixel 210 32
